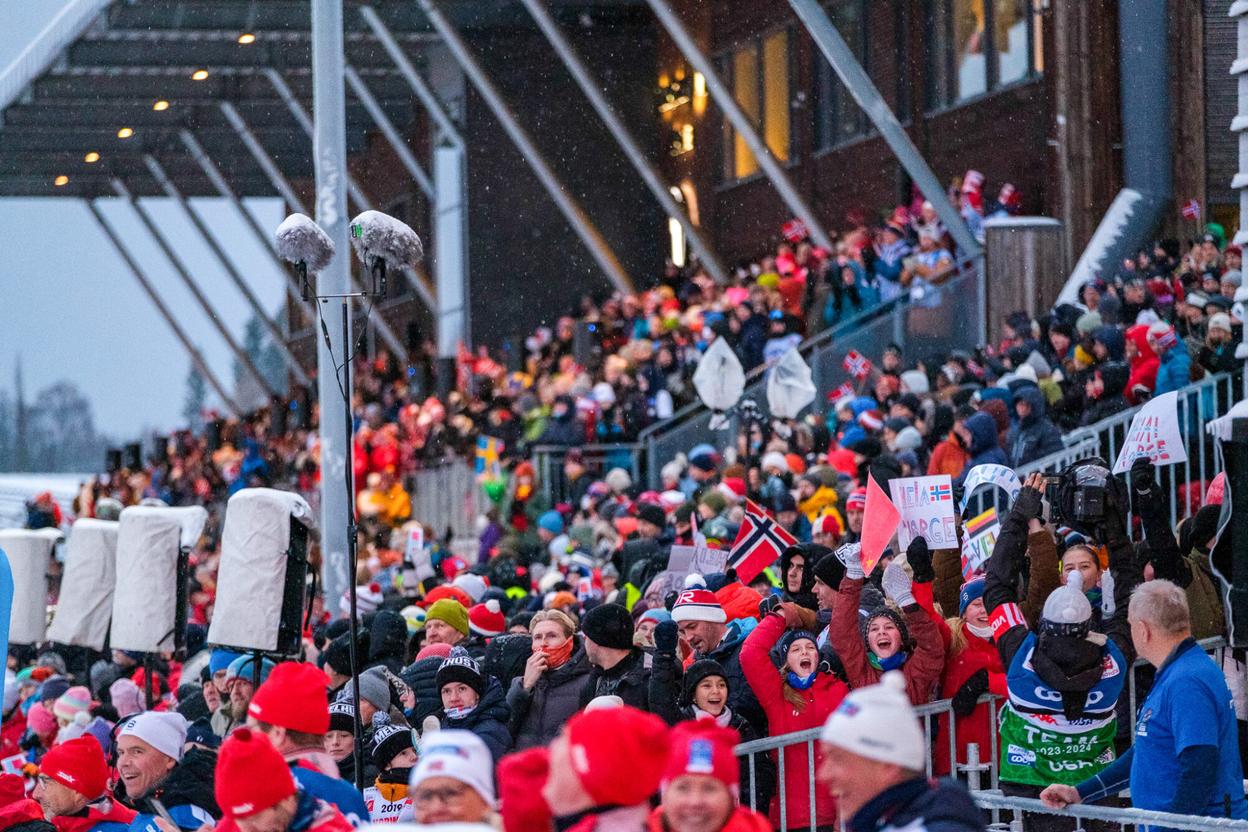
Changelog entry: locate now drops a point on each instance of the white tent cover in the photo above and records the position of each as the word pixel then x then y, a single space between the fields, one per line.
pixel 29 553
pixel 148 541
pixel 252 574
pixel 86 603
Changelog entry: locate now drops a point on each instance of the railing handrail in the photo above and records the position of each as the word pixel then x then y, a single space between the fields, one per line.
pixel 63 29
pixel 994 799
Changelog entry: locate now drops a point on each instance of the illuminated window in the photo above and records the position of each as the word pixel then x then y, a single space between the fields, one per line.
pixel 975 46
pixel 759 74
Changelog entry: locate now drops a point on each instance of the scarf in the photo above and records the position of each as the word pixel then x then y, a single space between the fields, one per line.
pixel 800 682
pixel 724 720
pixel 459 713
pixel 893 662
pixel 980 632
pixel 1094 596
pixel 1071 666
pixel 559 656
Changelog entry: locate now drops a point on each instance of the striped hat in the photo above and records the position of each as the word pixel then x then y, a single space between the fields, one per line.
pixel 72 702
pixel 699 604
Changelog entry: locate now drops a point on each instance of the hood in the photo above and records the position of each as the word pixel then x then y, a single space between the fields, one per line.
pixel 1031 394
pixel 1113 339
pixel 387 637
pixel 1138 335
pixel 1114 376
pixel 808 571
pixel 493 705
pixel 983 430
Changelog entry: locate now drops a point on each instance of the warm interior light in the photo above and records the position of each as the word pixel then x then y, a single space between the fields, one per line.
pixel 246 38
pixel 61 180
pixel 199 75
pixel 91 158
pixel 125 133
pixel 699 84
pixel 160 106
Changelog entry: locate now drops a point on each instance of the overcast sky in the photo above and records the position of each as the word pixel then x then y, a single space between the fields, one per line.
pixel 72 310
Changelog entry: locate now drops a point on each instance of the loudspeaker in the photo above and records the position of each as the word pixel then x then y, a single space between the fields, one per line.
pixel 86 602
pixel 262 578
pixel 134 456
pixel 160 449
pixel 29 553
pixel 149 601
pixel 112 460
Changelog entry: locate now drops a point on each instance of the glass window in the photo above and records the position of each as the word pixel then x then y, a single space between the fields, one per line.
pixel 975 46
pixel 1010 39
pixel 970 64
pixel 759 74
pixel 837 117
pixel 745 90
pixel 776 93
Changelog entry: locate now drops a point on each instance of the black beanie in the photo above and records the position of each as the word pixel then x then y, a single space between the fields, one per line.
pixel 830 570
pixel 342 716
pixel 1204 527
pixel 389 740
pixel 651 514
pixel 461 667
pixel 609 625
pixel 694 675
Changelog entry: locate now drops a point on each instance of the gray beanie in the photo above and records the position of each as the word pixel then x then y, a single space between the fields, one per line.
pixel 374 688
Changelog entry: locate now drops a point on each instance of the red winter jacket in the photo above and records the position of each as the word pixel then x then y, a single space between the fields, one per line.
pixel 742 820
pixel 976 728
pixel 115 813
pixel 922 670
pixel 11 734
pixel 782 718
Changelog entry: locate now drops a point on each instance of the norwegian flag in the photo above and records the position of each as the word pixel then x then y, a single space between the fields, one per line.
pixel 857 364
pixel 760 543
pixel 1191 210
pixel 794 231
pixel 841 392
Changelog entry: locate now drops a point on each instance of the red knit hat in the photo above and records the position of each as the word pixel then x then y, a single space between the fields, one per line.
pixel 701 746
pixel 698 605
pixel 445 591
pixel 251 776
pixel 487 619
pixel 521 777
pixel 857 500
pixel 293 697
pixel 79 765
pixel 617 754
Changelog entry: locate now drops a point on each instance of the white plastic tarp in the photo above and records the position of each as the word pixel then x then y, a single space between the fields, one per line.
pixel 790 386
pixel 252 574
pixel 86 602
pixel 719 379
pixel 29 554
pixel 149 539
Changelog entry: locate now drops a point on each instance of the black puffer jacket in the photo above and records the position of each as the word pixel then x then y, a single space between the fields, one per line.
pixel 627 680
pixel 537 715
pixel 421 677
pixel 505 657
pixel 488 720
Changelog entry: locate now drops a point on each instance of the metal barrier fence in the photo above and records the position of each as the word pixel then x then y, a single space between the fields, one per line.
pixel 995 800
pixel 945 318
pixel 449 497
pixel 598 460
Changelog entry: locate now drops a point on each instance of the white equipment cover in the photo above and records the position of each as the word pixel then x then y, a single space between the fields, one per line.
pixel 86 602
pixel 790 386
pixel 719 379
pixel 149 540
pixel 29 553
pixel 252 574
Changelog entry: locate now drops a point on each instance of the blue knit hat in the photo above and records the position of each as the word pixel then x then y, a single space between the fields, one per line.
pixel 552 522
pixel 971 590
pixel 220 659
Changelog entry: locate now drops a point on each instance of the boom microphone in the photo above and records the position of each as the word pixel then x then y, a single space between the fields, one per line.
pixel 382 242
pixel 305 244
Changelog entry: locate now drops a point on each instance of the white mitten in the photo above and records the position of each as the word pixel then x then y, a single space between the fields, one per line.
pixel 897 585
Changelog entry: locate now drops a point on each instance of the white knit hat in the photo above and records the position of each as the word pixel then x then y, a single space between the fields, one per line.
pixel 775 459
pixel 164 731
pixel 1067 605
pixel 474 585
pixel 459 755
pixel 878 722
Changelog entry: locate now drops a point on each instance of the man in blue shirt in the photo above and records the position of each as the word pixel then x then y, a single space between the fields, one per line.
pixel 1185 758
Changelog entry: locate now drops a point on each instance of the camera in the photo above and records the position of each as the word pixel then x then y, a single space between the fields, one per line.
pixel 1080 496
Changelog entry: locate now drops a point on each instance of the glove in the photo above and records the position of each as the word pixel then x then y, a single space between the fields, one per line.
pixel 1028 503
pixel 666 636
pixel 967 697
pixel 1142 477
pixel 851 556
pixel 669 600
pixel 919 556
pixel 769 604
pixel 897 585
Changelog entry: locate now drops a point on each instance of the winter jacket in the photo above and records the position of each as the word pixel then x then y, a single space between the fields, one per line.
pixel 919 805
pixel 311 815
pixel 103 816
pixel 1144 364
pixel 1204 598
pixel 984 445
pixel 24 815
pixel 741 820
pixel 821 699
pixel 608 819
pixel 538 715
pixel 823 500
pixel 1034 435
pixel 187 792
pixel 488 720
pixel 1174 372
pixel 387 641
pixel 1114 376
pixel 926 661
pixel 387 801
pixel 421 677
pixel 741 697
pixel 321 783
pixel 627 680
pixel 1219 359
pixel 976 655
pixel 948 457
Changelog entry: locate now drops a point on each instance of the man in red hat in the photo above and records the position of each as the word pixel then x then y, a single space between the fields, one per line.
pixel 603 768
pixel 73 789
pixel 257 792
pixel 292 709
pixel 701 783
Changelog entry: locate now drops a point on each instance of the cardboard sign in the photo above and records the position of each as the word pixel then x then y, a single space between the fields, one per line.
pixel 980 537
pixel 927 511
pixel 700 560
pixel 994 475
pixel 414 553
pixel 879 523
pixel 1154 434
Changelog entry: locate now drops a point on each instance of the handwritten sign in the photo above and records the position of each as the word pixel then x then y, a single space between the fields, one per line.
pixel 415 555
pixel 927 510
pixel 995 475
pixel 699 560
pixel 979 538
pixel 1154 435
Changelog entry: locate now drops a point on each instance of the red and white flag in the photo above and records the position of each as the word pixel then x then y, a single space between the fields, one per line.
pixel 760 543
pixel 857 364
pixel 794 231
pixel 880 519
pixel 1191 210
pixel 841 392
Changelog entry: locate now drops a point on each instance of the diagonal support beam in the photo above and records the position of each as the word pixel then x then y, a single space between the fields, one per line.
pixel 196 357
pixel 855 79
pixel 568 204
pixel 181 270
pixel 741 123
pixel 387 128
pixel 214 245
pixel 593 91
pixel 416 277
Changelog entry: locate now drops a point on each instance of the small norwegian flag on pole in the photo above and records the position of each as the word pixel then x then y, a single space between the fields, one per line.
pixel 857 364
pixel 760 543
pixel 794 231
pixel 1191 210
pixel 845 390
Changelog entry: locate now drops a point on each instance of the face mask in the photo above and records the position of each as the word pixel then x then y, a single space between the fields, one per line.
pixel 459 713
pixel 800 682
pixel 559 655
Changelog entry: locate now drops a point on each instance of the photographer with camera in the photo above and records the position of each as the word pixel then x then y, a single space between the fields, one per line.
pixel 1064 679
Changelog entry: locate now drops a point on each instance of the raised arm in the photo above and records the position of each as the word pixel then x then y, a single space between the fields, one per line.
pixel 1004 567
pixel 844 634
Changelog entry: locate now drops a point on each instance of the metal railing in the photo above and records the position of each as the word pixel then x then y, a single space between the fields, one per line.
pixel 1124 817
pixel 598 460
pixel 67 26
pixel 940 320
pixel 449 496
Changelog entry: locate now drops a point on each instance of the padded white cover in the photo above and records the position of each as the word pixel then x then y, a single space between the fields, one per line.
pixel 86 603
pixel 252 573
pixel 29 554
pixel 148 541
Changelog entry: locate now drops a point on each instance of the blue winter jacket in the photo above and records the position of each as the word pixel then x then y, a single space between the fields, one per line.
pixel 1174 372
